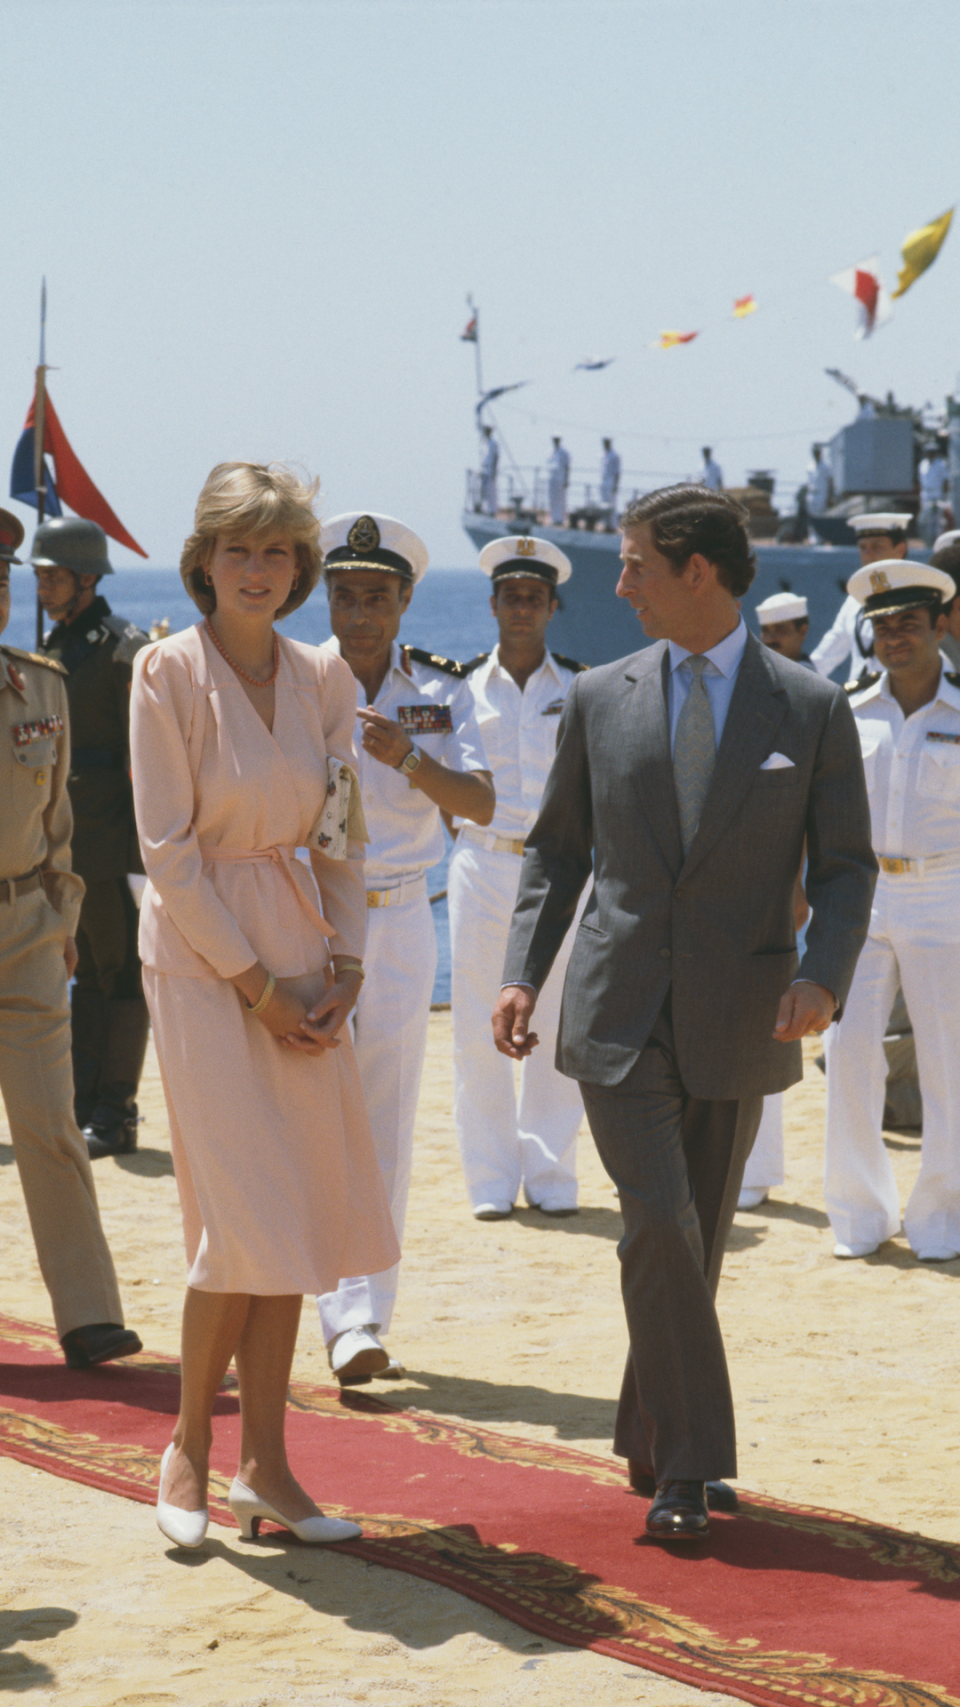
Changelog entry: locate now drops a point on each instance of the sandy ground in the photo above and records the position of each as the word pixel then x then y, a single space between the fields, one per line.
pixel 845 1376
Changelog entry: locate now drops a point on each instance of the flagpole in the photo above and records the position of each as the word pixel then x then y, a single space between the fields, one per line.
pixel 39 466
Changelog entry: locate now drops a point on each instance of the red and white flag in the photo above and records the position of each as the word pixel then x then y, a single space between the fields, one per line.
pixel 864 284
pixel 469 333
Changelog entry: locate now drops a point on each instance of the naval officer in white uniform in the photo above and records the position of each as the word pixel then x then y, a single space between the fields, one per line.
pixel 882 535
pixel 558 479
pixel 908 717
pixel 519 691
pixel 421 753
pixel 609 482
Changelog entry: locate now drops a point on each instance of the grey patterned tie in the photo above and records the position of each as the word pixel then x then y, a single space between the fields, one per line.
pixel 694 752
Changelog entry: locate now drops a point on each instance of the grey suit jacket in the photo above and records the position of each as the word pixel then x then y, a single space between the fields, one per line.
pixel 717 928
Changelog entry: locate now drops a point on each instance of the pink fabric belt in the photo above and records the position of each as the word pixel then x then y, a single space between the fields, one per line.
pixel 283 858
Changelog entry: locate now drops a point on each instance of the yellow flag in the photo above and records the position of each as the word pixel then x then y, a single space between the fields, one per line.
pixel 920 250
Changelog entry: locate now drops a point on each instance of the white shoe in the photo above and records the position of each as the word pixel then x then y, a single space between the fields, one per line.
pixel 842 1250
pixel 751 1196
pixel 183 1528
pixel 248 1509
pixel 937 1253
pixel 493 1212
pixel 356 1355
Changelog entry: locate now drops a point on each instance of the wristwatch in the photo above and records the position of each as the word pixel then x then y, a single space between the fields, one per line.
pixel 412 760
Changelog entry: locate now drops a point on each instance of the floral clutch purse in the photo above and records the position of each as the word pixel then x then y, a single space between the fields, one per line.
pixel 340 819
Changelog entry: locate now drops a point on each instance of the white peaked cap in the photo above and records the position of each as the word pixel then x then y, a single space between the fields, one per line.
pixel 364 540
pixel 522 556
pixel 881 521
pixel 783 607
pixel 945 539
pixel 897 584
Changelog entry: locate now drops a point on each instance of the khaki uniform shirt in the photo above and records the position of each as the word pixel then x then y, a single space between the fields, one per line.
pixel 36 821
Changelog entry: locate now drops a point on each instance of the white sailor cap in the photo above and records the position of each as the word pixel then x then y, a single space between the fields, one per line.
pixel 783 607
pixel 364 540
pixel 896 584
pixel 944 539
pixel 522 556
pixel 886 522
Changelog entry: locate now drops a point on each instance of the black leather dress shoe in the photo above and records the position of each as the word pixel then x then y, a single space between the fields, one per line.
pixel 679 1512
pixel 720 1495
pixel 99 1342
pixel 111 1131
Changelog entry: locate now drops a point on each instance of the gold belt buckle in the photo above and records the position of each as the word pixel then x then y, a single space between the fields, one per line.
pixel 895 867
pixel 373 898
pixel 516 846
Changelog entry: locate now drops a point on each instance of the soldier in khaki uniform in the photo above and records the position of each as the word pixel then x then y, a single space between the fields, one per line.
pixel 39 904
pixel 97 649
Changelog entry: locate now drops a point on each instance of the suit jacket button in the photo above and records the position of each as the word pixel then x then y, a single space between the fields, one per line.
pixel 664 954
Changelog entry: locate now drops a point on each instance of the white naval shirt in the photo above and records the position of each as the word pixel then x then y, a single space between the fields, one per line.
pixel 840 642
pixel 406 832
pixel 912 767
pixel 519 735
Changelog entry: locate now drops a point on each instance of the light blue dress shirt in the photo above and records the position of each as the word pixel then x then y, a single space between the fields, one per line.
pixel 719 678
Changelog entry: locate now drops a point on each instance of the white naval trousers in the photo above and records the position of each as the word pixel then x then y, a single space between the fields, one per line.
pixel 765 1162
pixel 505 1144
pixel 557 502
pixel 390 1034
pixel 914 939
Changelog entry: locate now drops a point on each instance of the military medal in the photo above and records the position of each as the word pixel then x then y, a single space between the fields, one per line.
pixel 425 719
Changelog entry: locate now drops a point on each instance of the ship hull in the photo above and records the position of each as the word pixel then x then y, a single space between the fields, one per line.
pixel 594 626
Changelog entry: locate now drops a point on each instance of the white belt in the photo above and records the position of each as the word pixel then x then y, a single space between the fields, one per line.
pixel 405 889
pixel 493 844
pixel 897 867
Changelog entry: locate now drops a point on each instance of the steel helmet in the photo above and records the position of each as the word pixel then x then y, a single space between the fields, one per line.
pixel 69 542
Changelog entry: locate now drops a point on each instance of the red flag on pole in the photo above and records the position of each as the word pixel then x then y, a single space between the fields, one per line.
pixel 74 486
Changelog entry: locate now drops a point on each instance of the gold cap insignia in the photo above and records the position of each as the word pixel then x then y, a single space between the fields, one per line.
pixel 364 535
pixel 526 548
pixel 878 581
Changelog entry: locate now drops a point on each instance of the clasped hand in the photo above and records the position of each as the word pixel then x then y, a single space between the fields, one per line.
pixel 310 1031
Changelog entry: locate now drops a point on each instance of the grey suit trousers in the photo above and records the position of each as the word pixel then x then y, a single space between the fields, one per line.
pixel 677 1162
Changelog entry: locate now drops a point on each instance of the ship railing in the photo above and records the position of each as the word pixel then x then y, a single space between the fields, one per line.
pixel 520 497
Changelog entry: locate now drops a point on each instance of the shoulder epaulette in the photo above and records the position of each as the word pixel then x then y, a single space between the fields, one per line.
pixel 34 658
pixel 474 663
pixel 130 638
pixel 449 666
pixel 861 683
pixel 569 663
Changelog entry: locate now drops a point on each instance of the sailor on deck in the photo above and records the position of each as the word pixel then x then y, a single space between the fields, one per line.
pixel 488 473
pixel 558 479
pixel 519 691
pixel 818 482
pixel 882 535
pixel 421 754
pixel 609 481
pixel 712 476
pixel 908 717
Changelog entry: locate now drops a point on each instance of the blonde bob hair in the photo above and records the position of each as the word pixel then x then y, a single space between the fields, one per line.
pixel 252 500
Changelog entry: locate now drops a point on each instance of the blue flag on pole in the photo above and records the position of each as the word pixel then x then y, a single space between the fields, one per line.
pixel 21 477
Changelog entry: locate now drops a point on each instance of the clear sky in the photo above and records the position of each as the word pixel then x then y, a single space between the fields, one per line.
pixel 259 220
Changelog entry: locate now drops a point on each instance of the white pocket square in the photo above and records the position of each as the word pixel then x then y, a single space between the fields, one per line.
pixel 777 762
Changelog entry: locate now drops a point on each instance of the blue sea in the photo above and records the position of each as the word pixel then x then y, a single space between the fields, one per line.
pixel 450 614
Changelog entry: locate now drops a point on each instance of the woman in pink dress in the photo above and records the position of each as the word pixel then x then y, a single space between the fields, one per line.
pixel 279 1186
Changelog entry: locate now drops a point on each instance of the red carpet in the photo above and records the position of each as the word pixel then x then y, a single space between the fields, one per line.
pixel 783 1605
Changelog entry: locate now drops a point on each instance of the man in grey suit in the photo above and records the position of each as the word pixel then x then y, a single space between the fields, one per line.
pixel 685 780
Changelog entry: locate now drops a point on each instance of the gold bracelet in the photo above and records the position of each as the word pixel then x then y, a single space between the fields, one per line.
pixel 265 994
pixel 351 966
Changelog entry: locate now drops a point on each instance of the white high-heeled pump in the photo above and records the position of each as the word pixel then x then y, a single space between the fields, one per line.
pixel 248 1509
pixel 183 1528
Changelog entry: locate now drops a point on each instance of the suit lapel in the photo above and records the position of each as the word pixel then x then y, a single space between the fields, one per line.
pixel 646 731
pixel 757 708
